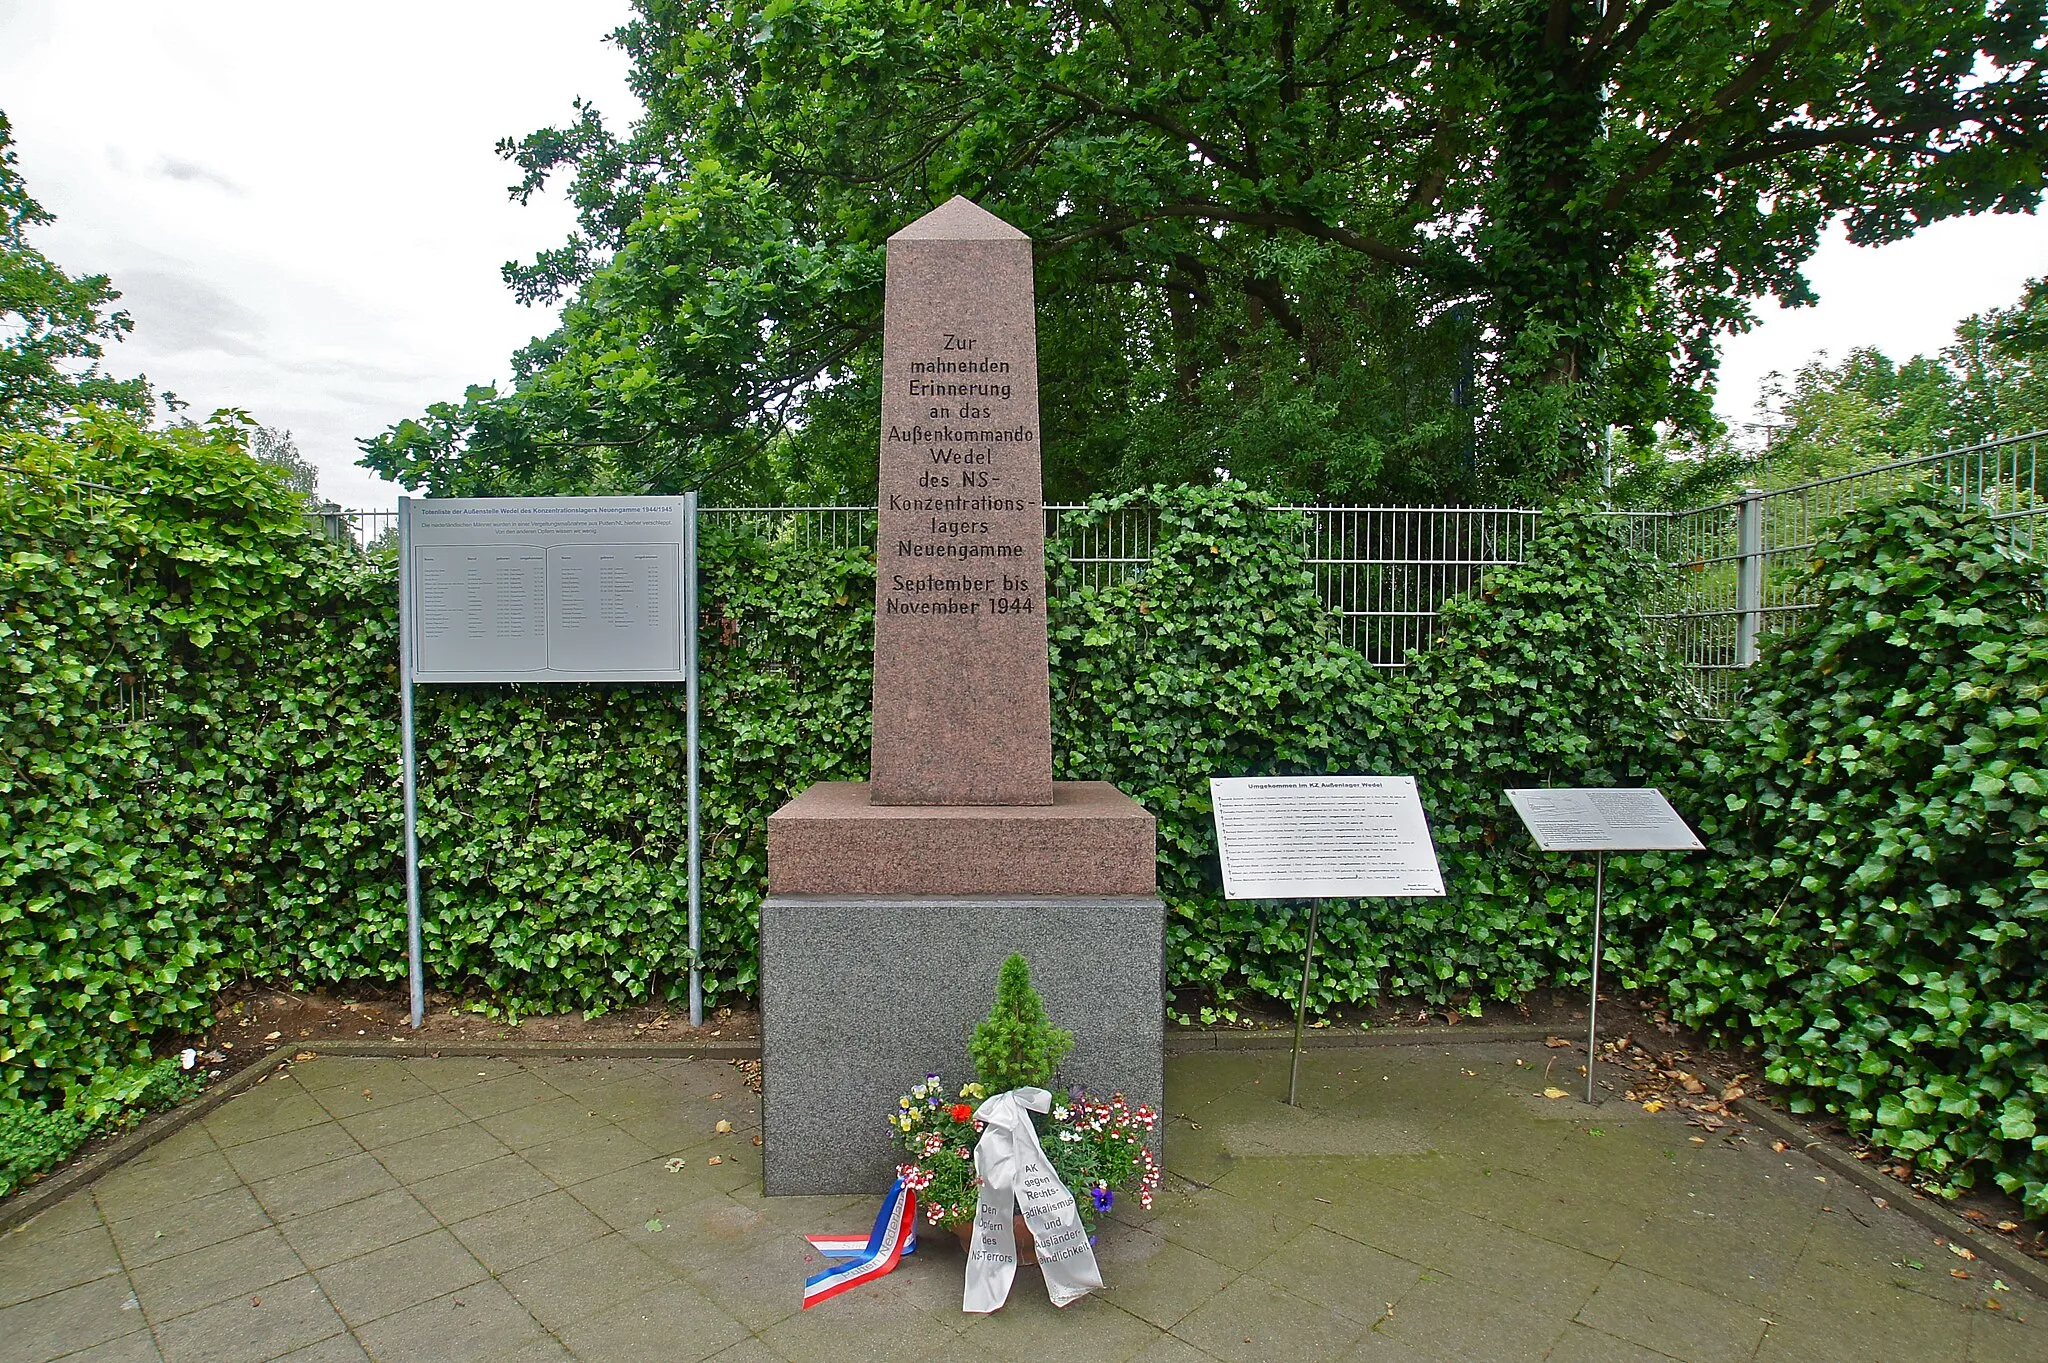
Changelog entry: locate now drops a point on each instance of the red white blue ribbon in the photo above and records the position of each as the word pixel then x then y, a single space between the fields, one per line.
pixel 894 1235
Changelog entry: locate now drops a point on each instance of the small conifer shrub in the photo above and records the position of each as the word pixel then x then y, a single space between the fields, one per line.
pixel 1017 1046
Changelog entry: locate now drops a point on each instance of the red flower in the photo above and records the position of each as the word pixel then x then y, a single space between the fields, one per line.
pixel 960 1112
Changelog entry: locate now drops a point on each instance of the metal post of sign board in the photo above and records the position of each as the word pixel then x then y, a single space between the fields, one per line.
pixel 690 622
pixel 1593 1000
pixel 1601 820
pixel 1308 956
pixel 415 966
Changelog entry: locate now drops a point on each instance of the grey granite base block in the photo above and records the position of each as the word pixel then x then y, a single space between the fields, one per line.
pixel 862 996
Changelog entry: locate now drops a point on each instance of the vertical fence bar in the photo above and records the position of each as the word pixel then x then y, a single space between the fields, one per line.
pixel 690 694
pixel 1749 576
pixel 416 971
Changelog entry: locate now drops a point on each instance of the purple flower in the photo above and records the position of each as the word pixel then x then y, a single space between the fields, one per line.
pixel 1102 1197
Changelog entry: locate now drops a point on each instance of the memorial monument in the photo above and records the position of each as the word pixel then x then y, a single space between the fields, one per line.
pixel 893 902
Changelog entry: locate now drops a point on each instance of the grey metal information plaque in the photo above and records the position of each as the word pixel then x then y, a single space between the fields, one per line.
pixel 1603 820
pixel 547 589
pixel 1323 837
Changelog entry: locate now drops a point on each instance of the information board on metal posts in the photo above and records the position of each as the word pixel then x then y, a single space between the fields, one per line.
pixel 1323 837
pixel 1603 820
pixel 545 589
pixel 1317 838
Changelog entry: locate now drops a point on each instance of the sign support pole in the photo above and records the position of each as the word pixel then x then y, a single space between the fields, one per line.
pixel 690 617
pixel 1308 956
pixel 415 966
pixel 1593 1000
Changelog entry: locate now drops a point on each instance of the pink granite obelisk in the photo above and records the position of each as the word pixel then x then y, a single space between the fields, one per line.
pixel 962 709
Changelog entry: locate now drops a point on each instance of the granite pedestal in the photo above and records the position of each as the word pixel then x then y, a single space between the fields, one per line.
pixel 863 995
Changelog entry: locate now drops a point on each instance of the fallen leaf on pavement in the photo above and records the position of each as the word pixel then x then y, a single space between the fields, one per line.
pixel 1653 1106
pixel 1960 1252
pixel 2008 1225
pixel 714 1160
pixel 1555 1042
pixel 1958 1273
pixel 1554 1093
pixel 723 1128
pixel 676 1165
pixel 654 1223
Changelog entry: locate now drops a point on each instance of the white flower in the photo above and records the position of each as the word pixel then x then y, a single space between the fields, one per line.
pixel 1060 1114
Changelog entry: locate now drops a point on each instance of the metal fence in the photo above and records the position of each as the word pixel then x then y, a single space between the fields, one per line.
pixel 1741 563
pixel 1386 572
pixel 126 698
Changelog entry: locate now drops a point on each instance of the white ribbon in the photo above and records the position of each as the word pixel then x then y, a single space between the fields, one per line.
pixel 1014 1170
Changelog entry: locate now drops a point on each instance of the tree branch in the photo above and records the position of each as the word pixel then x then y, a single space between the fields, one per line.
pixel 1557 24
pixel 1185 136
pixel 1745 84
pixel 1212 212
pixel 1876 136
pixel 1605 47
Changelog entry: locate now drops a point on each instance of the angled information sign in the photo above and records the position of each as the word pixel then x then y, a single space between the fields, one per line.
pixel 1323 837
pixel 1603 820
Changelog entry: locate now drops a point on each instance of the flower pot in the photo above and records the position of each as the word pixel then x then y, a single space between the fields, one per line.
pixel 1027 1248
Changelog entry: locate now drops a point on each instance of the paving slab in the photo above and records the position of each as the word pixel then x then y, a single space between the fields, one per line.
pixel 1424 1204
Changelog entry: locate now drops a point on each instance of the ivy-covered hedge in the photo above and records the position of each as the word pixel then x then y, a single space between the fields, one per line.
pixel 250 825
pixel 1871 912
pixel 1221 658
pixel 1874 909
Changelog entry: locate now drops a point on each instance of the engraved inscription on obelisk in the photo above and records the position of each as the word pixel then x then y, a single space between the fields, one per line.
pixel 962 705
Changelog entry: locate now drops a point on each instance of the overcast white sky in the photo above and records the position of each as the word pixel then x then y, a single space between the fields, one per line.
pixel 304 212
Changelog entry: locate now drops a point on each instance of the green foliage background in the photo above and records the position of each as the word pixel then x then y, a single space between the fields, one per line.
pixel 1873 917
pixel 1873 912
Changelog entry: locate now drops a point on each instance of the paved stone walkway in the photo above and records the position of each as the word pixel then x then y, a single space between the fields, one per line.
pixel 1427 1204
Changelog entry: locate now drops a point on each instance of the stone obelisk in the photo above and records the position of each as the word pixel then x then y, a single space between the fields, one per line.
pixel 960 526
pixel 893 902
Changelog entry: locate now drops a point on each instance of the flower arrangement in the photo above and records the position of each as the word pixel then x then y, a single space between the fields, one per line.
pixel 1097 1147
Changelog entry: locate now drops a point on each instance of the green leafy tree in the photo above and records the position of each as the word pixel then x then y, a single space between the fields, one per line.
pixel 53 328
pixel 1864 411
pixel 277 448
pixel 1396 248
pixel 1016 1045
pixel 2000 359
